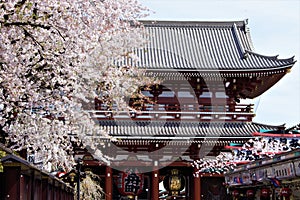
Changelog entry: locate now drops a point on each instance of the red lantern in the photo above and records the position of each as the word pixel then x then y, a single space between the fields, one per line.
pixel 286 192
pixel 235 193
pixel 130 182
pixel 265 192
pixel 250 193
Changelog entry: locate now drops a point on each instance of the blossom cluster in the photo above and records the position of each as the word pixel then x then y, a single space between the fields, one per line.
pixel 220 164
pixel 55 57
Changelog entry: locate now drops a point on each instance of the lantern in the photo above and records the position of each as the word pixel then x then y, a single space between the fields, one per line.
pixel 265 192
pixel 130 182
pixel 235 193
pixel 250 193
pixel 174 183
pixel 286 192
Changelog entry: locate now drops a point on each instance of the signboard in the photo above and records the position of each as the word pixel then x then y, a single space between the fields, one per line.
pixel 253 175
pixel 297 167
pixel 35 159
pixel 236 179
pixel 270 172
pixel 261 174
pixel 284 170
pixel 246 178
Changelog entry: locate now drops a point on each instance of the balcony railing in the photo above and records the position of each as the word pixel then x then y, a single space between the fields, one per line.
pixel 194 112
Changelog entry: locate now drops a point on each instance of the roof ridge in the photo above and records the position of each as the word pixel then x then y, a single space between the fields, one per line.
pixel 238 42
pixel 187 23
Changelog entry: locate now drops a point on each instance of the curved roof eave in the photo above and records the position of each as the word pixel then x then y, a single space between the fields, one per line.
pixel 255 70
pixel 289 60
pixel 282 126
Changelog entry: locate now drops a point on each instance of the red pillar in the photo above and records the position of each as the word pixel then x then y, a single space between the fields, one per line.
pixel 155 185
pixel 12 182
pixel 197 185
pixel 23 188
pixel 45 188
pixel 108 183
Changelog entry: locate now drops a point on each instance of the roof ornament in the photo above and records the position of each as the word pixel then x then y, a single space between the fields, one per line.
pixel 246 28
pixel 243 52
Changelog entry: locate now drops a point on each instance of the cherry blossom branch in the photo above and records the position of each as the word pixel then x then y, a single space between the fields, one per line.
pixel 27 23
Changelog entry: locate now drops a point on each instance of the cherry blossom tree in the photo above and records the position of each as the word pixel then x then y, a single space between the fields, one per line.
pixel 90 187
pixel 222 163
pixel 56 57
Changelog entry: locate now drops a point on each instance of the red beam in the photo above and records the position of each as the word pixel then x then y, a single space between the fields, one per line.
pixel 155 185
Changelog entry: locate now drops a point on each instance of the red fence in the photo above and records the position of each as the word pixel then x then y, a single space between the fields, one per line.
pixel 21 181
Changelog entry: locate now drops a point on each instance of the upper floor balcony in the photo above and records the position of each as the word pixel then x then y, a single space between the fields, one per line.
pixel 193 112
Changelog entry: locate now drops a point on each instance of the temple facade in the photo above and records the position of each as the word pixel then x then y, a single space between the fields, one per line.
pixel 205 69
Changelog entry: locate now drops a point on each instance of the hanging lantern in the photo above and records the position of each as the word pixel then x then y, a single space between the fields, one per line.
pixel 286 192
pixel 130 182
pixel 250 193
pixel 265 192
pixel 174 183
pixel 235 193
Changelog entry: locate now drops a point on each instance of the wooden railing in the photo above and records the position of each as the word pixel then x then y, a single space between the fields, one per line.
pixel 20 179
pixel 194 112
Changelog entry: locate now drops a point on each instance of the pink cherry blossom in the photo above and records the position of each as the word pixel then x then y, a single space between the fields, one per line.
pixel 56 57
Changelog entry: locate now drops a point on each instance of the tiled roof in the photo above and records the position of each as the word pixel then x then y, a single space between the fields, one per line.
pixel 140 129
pixel 203 46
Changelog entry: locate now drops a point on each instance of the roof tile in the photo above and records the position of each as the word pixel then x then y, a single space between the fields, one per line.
pixel 188 129
pixel 202 46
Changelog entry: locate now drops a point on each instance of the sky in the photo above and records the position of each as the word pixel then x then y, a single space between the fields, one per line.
pixel 275 30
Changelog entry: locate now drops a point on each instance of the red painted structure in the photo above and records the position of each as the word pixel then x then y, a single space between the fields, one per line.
pixel 20 181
